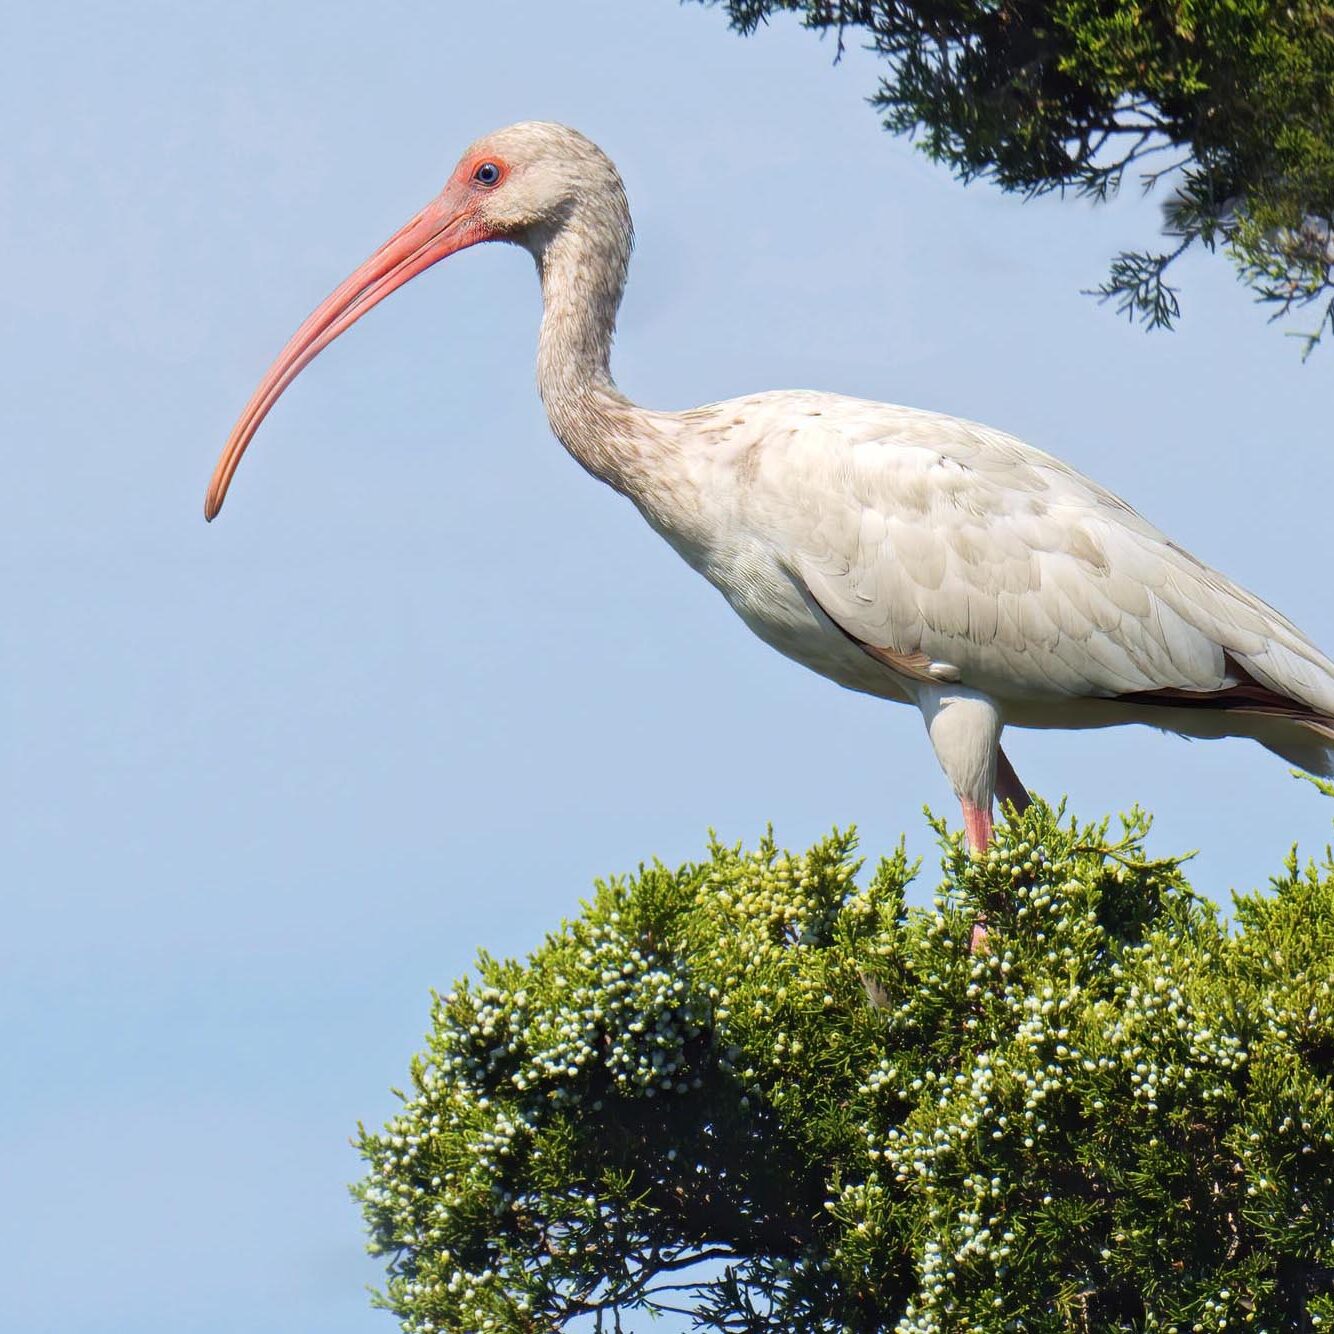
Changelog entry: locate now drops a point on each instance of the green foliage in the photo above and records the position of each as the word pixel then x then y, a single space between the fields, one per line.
pixel 764 1094
pixel 1231 102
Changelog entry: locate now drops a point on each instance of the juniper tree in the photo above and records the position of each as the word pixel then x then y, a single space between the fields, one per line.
pixel 1228 103
pixel 764 1092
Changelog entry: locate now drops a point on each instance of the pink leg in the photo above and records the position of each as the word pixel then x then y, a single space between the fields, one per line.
pixel 977 829
pixel 976 825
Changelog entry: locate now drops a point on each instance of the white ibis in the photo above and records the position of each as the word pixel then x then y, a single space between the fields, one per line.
pixel 910 555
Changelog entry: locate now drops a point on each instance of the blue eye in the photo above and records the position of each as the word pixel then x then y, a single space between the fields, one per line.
pixel 487 174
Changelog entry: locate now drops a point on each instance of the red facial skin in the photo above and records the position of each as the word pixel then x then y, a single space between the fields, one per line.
pixel 447 224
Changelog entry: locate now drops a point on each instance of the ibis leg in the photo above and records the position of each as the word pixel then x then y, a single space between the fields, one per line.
pixel 977 825
pixel 977 829
pixel 965 728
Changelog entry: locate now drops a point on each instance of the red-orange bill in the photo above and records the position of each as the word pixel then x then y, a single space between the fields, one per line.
pixel 440 229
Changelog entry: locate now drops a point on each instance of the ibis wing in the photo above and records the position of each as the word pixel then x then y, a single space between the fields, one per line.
pixel 926 535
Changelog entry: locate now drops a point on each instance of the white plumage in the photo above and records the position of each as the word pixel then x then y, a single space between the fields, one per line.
pixel 911 555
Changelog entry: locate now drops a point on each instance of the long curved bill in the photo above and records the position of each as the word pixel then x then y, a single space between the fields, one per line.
pixel 440 229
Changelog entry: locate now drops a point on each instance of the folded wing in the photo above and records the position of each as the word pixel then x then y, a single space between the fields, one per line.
pixel 954 544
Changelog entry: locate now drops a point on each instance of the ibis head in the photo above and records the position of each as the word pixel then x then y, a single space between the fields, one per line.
pixel 529 184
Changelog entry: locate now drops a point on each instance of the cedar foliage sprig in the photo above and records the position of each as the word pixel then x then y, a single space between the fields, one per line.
pixel 1228 103
pixel 768 1095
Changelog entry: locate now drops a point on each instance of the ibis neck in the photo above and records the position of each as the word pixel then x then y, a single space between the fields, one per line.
pixel 583 276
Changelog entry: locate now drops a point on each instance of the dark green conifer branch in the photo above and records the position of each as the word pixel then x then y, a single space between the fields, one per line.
pixel 1230 103
pixel 767 1094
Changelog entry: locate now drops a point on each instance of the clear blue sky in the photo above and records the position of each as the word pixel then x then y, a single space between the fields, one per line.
pixel 266 782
